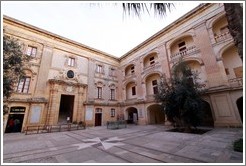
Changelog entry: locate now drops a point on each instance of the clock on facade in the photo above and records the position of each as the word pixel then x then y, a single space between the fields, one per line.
pixel 70 74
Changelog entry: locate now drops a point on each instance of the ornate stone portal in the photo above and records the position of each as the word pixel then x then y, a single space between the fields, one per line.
pixel 66 87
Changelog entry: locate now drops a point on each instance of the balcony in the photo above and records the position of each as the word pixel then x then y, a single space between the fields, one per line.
pixel 187 52
pixel 236 82
pixel 150 97
pixel 223 36
pixel 129 76
pixel 151 67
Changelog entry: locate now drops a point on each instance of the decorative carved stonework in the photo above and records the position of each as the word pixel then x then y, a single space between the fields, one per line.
pixel 68 75
pixel 69 88
pixel 66 83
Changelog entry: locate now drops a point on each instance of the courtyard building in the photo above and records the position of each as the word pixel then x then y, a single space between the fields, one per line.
pixel 68 81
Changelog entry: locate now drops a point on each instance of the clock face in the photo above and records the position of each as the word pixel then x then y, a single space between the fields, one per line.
pixel 70 74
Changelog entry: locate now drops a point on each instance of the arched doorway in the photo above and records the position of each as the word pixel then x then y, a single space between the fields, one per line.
pixel 240 107
pixel 207 119
pixel 132 115
pixel 155 114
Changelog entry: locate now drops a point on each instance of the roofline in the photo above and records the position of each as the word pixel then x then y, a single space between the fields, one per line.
pixel 165 29
pixel 34 28
pixel 189 14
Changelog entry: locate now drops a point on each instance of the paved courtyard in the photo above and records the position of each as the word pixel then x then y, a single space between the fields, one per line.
pixel 134 144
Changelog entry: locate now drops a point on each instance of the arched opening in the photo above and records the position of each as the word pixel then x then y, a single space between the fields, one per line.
pixel 132 115
pixel 196 73
pixel 182 47
pixel 151 83
pixel 129 70
pixel 131 90
pixel 207 118
pixel 155 114
pixel 15 119
pixel 220 29
pixel 150 59
pixel 197 70
pixel 240 107
pixel 232 63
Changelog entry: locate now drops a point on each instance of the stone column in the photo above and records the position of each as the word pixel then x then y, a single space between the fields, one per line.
pixel 202 40
pixel 43 73
pixel 91 83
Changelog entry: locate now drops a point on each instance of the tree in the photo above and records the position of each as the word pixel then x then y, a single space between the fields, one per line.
pixel 234 15
pixel 13 59
pixel 180 97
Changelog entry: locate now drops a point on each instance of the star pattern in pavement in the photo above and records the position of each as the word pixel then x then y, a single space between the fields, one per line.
pixel 107 144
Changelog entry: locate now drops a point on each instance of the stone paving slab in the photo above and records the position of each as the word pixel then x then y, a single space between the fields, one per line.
pixel 134 144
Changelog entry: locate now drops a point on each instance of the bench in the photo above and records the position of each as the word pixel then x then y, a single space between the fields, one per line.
pixel 116 124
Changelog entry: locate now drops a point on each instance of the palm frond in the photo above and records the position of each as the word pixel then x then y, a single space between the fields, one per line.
pixel 161 9
pixel 139 8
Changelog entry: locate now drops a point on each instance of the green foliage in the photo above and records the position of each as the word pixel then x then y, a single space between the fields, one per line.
pixel 180 97
pixel 238 145
pixel 12 64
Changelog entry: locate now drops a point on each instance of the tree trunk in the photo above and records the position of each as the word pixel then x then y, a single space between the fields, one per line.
pixel 234 14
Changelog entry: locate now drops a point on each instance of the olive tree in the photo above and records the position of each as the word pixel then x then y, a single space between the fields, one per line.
pixel 180 97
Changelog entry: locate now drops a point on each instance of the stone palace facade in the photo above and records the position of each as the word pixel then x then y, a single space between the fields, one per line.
pixel 65 78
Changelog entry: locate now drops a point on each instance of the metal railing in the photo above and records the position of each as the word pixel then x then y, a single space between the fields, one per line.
pixel 38 129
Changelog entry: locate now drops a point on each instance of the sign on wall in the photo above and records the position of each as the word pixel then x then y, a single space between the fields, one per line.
pixel 17 109
pixel 35 114
pixel 89 113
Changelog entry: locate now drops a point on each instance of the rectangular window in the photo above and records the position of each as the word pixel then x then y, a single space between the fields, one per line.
pixel 133 90
pixel 31 51
pixel 99 92
pixel 112 94
pixel 112 113
pixel 132 69
pixel 99 69
pixel 112 72
pixel 154 82
pixel 152 60
pixel 182 46
pixel 155 86
pixel 71 61
pixel 227 71
pixel 23 85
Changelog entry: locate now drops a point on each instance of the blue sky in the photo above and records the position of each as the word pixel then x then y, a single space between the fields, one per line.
pixel 102 26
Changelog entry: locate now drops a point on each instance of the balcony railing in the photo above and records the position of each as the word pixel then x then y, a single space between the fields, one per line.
pixel 236 82
pixel 222 36
pixel 150 97
pixel 185 52
pixel 153 66
pixel 129 76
